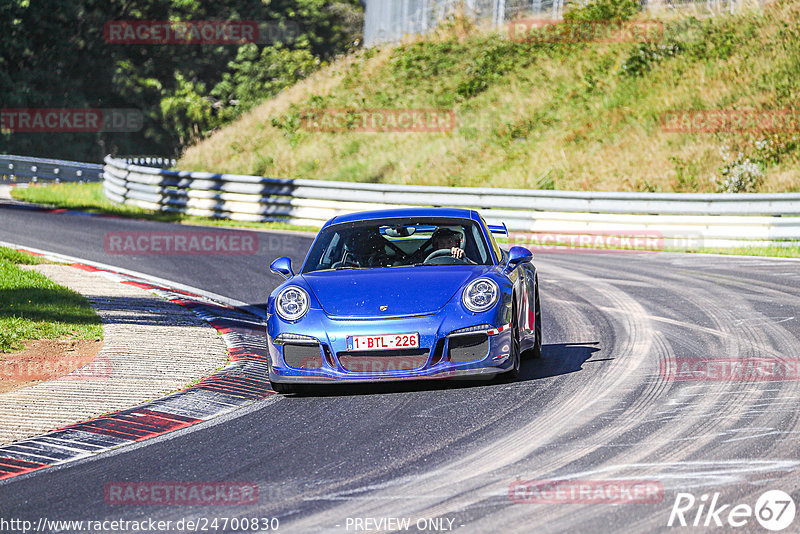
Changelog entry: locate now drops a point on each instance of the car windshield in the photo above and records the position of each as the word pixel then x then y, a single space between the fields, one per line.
pixel 382 243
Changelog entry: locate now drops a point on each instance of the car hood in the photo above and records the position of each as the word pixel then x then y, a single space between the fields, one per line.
pixel 403 290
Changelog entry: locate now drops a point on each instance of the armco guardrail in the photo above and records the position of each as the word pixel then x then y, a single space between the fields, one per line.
pixel 150 161
pixel 21 169
pixel 683 219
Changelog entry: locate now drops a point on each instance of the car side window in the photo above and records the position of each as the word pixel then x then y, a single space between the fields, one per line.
pixel 476 238
pixel 500 253
pixel 330 251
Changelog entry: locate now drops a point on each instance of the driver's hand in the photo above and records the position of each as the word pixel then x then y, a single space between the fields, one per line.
pixel 456 252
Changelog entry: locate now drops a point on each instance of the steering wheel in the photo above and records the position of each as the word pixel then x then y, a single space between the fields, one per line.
pixel 438 253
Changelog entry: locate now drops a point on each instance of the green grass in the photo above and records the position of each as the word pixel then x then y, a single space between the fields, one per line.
pixel 774 252
pixel 577 116
pixel 87 197
pixel 34 307
pixel 18 257
pixel 90 198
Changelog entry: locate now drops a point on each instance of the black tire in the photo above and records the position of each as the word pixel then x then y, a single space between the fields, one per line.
pixel 283 388
pixel 513 373
pixel 535 352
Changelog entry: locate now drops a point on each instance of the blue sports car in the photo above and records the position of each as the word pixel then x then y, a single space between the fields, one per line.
pixel 403 294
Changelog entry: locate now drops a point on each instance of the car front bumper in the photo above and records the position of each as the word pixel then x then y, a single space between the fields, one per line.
pixel 314 350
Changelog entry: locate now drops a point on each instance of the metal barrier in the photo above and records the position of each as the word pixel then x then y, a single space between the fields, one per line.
pixel 683 219
pixel 150 161
pixel 392 20
pixel 21 169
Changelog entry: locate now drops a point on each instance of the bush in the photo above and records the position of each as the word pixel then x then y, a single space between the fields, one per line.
pixel 642 58
pixel 257 74
pixel 739 174
pixel 604 10
pixel 711 41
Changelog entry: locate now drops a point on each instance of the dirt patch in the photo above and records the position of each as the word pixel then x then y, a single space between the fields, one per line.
pixel 49 359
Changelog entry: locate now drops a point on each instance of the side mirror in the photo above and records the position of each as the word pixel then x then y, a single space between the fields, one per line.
pixel 283 267
pixel 518 255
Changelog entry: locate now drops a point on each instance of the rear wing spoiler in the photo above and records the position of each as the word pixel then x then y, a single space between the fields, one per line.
pixel 498 228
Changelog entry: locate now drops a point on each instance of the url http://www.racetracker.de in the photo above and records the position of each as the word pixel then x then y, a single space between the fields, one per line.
pixel 194 524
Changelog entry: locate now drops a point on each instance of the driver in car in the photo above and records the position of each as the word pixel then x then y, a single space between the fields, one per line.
pixel 444 238
pixel 366 248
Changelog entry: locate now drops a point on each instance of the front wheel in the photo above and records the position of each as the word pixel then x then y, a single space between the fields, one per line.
pixel 535 352
pixel 513 373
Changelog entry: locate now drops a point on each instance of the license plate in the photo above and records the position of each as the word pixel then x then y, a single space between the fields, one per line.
pixel 384 342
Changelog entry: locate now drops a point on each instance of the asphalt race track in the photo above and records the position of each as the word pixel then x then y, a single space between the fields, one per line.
pixel 599 406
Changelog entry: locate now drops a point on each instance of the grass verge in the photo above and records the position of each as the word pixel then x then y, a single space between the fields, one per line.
pixel 774 252
pixel 34 307
pixel 90 198
pixel 570 114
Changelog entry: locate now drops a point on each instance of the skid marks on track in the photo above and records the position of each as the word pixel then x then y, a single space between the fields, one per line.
pixel 480 479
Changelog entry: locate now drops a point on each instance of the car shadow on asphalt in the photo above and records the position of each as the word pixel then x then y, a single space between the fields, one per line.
pixel 557 359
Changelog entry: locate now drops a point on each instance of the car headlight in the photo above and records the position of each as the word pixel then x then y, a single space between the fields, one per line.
pixel 291 303
pixel 480 295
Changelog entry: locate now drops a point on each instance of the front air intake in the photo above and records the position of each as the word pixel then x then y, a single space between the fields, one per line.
pixel 386 361
pixel 467 348
pixel 302 355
